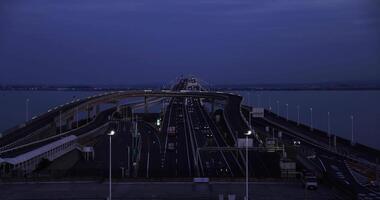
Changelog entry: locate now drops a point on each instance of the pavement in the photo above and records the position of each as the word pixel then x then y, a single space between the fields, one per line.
pixel 160 191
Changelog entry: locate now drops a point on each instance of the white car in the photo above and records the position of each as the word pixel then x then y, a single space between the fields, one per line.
pixel 310 181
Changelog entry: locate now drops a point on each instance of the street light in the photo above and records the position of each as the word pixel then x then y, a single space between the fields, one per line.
pixel 249 97
pixel 352 129
pixel 270 104
pixel 287 112
pixel 27 110
pixel 298 115
pixel 258 100
pixel 278 108
pixel 311 119
pixel 110 133
pixel 328 129
pixel 60 122
pixel 248 133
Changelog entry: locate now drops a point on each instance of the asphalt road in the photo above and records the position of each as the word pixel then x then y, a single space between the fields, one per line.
pixel 160 191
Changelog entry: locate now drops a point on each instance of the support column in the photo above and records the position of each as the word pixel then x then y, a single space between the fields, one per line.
pixel 69 121
pixel 97 109
pixel 89 110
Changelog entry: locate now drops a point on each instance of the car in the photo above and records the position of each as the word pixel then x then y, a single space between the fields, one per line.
pixel 171 146
pixel 296 142
pixel 309 180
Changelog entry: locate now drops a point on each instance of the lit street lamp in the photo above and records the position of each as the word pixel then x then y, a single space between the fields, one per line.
pixel 249 132
pixel 111 133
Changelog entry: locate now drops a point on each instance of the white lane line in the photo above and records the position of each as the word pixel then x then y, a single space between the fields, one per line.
pixel 187 144
pixel 147 165
pixel 170 113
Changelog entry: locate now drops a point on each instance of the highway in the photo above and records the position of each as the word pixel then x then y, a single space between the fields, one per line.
pixel 187 142
pixel 332 165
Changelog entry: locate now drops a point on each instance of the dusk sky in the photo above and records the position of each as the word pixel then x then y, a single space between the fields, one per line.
pixel 221 41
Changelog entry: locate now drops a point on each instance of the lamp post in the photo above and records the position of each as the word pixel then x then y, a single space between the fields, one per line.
pixel 328 129
pixel 278 108
pixel 249 132
pixel 77 116
pixel 258 100
pixel 311 119
pixel 249 97
pixel 60 122
pixel 352 129
pixel 298 115
pixel 110 134
pixel 270 104
pixel 287 112
pixel 27 110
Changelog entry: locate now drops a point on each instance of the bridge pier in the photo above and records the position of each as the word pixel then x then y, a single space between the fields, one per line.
pixel 97 109
pixel 69 121
pixel 89 110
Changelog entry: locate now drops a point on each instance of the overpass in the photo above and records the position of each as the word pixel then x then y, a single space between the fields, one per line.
pixel 31 135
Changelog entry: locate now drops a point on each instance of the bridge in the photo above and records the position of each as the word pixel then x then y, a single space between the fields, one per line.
pixel 195 133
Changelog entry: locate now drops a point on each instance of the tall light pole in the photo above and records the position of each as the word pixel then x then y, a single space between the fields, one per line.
pixel 110 134
pixel 249 97
pixel 311 119
pixel 258 100
pixel 77 116
pixel 278 108
pixel 352 129
pixel 298 115
pixel 250 118
pixel 60 122
pixel 27 110
pixel 249 132
pixel 287 112
pixel 328 129
pixel 270 104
